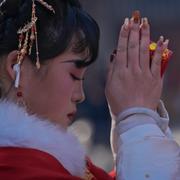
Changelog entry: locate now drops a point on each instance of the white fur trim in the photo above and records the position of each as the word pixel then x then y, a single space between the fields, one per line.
pixel 18 129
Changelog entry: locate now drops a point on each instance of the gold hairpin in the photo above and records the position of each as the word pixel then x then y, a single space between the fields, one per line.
pixel 27 27
pixel 45 4
pixel 31 35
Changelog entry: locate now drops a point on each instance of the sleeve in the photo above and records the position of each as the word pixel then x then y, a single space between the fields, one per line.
pixel 143 147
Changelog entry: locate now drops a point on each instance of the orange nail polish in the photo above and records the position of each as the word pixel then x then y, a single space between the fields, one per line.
pixel 136 16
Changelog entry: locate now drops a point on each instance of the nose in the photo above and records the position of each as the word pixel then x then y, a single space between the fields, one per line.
pixel 78 94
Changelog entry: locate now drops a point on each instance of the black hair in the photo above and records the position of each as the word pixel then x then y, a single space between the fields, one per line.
pixel 55 31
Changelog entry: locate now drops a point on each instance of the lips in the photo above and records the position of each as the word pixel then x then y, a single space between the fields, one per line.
pixel 71 116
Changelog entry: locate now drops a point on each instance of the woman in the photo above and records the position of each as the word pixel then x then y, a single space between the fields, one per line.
pixel 45 49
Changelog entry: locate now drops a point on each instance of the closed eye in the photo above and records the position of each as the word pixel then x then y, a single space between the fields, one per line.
pixel 76 78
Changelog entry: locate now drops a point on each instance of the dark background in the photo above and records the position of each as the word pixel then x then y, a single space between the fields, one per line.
pixel 93 124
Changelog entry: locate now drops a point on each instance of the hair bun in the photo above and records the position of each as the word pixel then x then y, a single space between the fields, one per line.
pixel 9 8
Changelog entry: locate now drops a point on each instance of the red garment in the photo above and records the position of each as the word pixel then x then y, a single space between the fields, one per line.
pixel 31 164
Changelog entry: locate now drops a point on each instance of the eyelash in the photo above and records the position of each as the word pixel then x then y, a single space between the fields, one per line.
pixel 76 78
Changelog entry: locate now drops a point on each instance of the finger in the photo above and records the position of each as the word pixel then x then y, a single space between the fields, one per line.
pixel 121 54
pixel 156 61
pixel 144 45
pixel 133 44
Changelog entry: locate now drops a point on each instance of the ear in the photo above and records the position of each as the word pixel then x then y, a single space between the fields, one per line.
pixel 10 62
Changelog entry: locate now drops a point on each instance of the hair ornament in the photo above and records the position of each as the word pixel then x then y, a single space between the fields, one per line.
pixel 27 27
pixel 31 34
pixel 1 4
pixel 45 4
pixel 28 35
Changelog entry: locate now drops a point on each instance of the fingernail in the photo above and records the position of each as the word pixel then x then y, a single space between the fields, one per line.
pixel 160 42
pixel 144 22
pixel 161 38
pixel 166 42
pixel 126 23
pixel 136 16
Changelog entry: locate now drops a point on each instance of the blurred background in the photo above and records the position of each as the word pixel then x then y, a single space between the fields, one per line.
pixel 93 120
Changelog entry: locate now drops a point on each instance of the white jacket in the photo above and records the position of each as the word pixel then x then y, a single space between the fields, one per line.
pixel 143 146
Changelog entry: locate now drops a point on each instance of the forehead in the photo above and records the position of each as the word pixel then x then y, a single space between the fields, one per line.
pixel 69 61
pixel 70 56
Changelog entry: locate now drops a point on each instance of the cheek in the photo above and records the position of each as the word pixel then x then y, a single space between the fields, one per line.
pixel 62 91
pixel 60 85
pixel 52 93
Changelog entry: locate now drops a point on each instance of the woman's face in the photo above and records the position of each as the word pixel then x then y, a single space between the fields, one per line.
pixel 55 90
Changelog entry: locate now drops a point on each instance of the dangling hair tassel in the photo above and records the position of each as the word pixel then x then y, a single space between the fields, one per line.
pixel 26 41
pixel 31 34
pixel 36 35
